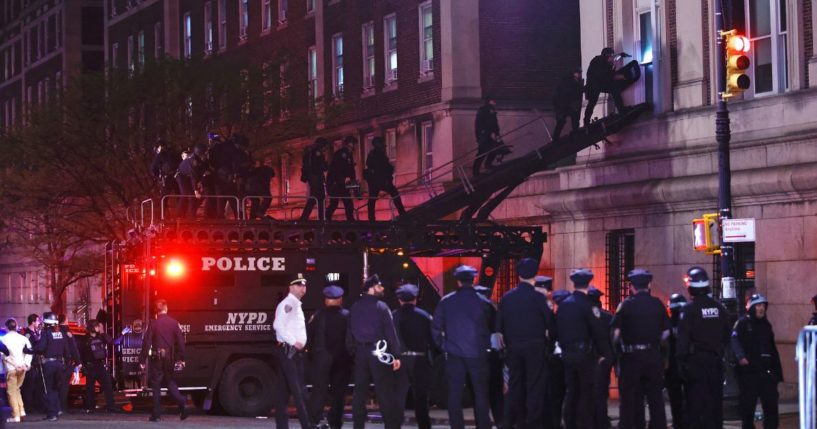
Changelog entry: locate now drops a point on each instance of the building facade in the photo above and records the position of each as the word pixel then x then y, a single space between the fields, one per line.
pixel 43 44
pixel 632 203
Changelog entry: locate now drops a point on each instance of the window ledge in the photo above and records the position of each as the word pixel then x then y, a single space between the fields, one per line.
pixel 266 31
pixel 367 92
pixel 426 77
pixel 310 14
pixel 391 86
pixel 282 24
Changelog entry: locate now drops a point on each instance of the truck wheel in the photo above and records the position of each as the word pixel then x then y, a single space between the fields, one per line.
pixel 247 388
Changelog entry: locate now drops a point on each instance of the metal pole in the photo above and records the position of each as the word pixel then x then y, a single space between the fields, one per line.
pixel 723 136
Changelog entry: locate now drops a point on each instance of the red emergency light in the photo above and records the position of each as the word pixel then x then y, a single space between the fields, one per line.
pixel 174 269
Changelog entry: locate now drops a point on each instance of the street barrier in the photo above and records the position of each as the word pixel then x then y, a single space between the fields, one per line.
pixel 806 356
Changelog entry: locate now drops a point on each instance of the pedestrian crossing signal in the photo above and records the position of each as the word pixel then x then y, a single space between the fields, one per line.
pixel 705 237
pixel 737 62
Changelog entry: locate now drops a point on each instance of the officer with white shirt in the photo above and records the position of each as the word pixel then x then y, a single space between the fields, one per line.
pixel 290 332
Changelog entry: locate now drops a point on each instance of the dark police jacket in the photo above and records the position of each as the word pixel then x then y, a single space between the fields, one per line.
pixel 704 327
pixel 599 74
pixel 524 316
pixel 568 96
pixel 579 329
pixel 369 322
pixel 314 164
pixel 94 351
pixel 414 329
pixel 378 167
pixel 463 323
pixel 259 179
pixel 342 168
pixel 486 122
pixel 165 163
pixel 163 333
pixel 326 331
pixel 753 339
pixel 642 319
pixel 55 345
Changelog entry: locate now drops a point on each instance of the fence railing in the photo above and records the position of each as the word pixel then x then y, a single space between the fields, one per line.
pixel 806 356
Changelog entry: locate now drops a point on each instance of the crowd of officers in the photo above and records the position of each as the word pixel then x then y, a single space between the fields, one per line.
pixel 539 359
pixel 221 172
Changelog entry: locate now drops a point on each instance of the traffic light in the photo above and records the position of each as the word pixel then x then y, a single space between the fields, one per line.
pixel 705 237
pixel 737 61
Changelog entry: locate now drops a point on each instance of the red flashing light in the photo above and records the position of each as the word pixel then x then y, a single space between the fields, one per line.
pixel 686 281
pixel 174 269
pixel 739 44
pixel 152 272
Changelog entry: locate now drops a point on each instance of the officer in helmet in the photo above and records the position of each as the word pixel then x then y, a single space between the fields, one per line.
pixel 56 353
pixel 759 368
pixel 703 333
pixel 675 384
pixel 313 173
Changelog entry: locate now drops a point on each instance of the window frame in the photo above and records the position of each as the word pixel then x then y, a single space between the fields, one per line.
pixel 140 50
pixel 208 28
pixel 312 73
pixel 390 74
pixel 369 54
pixel 187 35
pixel 222 25
pixel 779 41
pixel 426 148
pixel 338 80
pixel 243 19
pixel 283 6
pixel 131 54
pixel 426 64
pixel 266 15
pixel 158 41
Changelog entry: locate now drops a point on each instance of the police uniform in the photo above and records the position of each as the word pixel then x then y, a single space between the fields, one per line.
pixel 486 128
pixel 567 102
pixel 703 332
pixel 463 323
pixel 94 354
pixel 224 157
pixel 68 371
pixel 601 78
pixel 583 341
pixel 33 385
pixel 56 351
pixel 370 323
pixel 641 324
pixel 556 368
pixel 601 383
pixel 498 374
pixel 526 322
pixel 258 184
pixel 290 329
pixel 164 168
pixel 379 176
pixel 753 340
pixel 341 171
pixel 414 330
pixel 673 380
pixel 313 174
pixel 331 364
pixel 164 343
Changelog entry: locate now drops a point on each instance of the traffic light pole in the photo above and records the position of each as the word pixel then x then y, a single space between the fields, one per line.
pixel 723 137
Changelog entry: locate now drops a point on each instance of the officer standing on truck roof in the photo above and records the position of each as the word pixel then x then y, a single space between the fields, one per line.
pixel 372 339
pixel 331 364
pixel 164 344
pixel 290 331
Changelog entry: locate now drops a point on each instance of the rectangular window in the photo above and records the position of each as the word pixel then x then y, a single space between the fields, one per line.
pixel 47 90
pixel 41 40
pixel 59 29
pixel 267 14
pixel 427 145
pixel 113 8
pixel 140 49
pixel 187 25
pixel 768 33
pixel 283 91
pixel 282 11
pixel 645 56
pixel 222 24
pixel 14 59
pixel 243 19
pixel 312 72
pixel 391 144
pixel 44 28
pixel 620 259
pixel 426 38
pixel 390 47
pixel 310 6
pixel 114 55
pixel 337 65
pixel 158 41
pixel 131 56
pixel 208 28
pixel 284 177
pixel 368 55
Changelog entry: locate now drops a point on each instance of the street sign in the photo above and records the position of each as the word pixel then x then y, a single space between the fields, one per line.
pixel 738 230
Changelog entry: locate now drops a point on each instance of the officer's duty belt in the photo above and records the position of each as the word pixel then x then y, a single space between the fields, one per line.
pixel 579 347
pixel 411 353
pixel 57 359
pixel 630 348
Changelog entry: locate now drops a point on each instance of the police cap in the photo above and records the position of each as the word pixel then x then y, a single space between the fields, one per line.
pixel 527 268
pixel 560 295
pixel 50 318
pixel 333 292
pixel 299 280
pixel 594 293
pixel 370 282
pixel 484 291
pixel 640 278
pixel 407 292
pixel 378 142
pixel 608 51
pixel 676 300
pixel 543 281
pixel 465 273
pixel 581 277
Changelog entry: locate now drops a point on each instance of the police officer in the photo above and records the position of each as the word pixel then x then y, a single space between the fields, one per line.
pixel 601 77
pixel 759 368
pixel 486 128
pixel 602 376
pixel 331 363
pixel 223 157
pixel 584 343
pixel 164 344
pixel 33 389
pixel 313 173
pixel 673 381
pixel 188 180
pixel 813 320
pixel 567 103
pixel 525 323
pixel 379 175
pixel 640 326
pixel 56 352
pixel 164 167
pixel 463 323
pixel 258 185
pixel 497 381
pixel 556 368
pixel 290 331
pixel 94 354
pixel 130 343
pixel 68 371
pixel 372 339
pixel 702 335
pixel 342 174
pixel 414 330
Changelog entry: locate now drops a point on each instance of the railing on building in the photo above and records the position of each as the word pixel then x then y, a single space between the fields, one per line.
pixel 806 356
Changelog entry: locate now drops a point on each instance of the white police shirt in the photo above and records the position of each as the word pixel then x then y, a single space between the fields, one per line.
pixel 289 324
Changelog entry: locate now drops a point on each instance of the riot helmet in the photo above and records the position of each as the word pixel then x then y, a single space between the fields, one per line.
pixel 755 300
pixel 676 301
pixel 697 281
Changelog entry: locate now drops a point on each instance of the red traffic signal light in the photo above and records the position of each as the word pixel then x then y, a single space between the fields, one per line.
pixel 737 46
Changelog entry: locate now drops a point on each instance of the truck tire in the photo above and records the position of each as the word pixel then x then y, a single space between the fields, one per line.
pixel 247 388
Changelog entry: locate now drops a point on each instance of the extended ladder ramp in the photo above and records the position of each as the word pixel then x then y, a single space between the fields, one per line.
pixel 488 190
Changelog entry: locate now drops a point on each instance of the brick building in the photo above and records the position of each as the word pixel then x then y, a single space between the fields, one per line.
pixel 43 43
